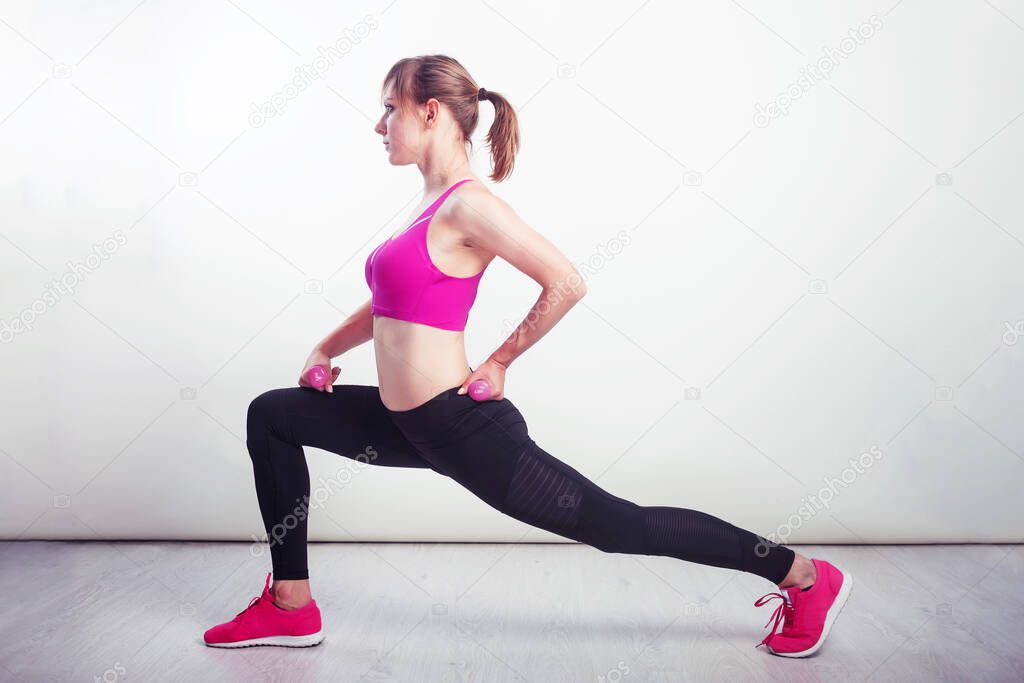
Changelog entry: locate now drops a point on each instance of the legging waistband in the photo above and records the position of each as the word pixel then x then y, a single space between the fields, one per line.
pixel 445 395
pixel 434 415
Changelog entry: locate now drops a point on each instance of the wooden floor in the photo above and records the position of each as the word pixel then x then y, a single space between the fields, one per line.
pixel 497 612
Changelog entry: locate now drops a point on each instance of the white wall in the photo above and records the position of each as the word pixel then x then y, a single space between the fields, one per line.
pixel 787 293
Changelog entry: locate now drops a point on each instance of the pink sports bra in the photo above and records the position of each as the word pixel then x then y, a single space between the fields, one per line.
pixel 406 284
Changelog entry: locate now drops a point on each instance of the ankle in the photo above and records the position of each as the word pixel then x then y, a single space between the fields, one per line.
pixel 288 605
pixel 290 600
pixel 802 574
pixel 291 594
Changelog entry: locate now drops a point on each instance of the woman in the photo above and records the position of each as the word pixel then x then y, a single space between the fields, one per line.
pixel 423 282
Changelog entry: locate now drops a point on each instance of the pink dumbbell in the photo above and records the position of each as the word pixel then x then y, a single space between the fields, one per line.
pixel 317 376
pixel 479 390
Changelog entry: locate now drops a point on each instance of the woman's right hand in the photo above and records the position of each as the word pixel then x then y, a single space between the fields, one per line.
pixel 318 357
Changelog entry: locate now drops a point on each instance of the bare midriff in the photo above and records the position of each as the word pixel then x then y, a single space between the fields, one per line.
pixel 416 362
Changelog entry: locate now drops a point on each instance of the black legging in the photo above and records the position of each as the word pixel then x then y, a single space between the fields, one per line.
pixel 485 447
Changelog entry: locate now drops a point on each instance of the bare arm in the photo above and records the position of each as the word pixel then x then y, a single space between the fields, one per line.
pixel 355 330
pixel 491 224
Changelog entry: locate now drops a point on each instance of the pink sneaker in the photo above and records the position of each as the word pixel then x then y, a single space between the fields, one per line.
pixel 264 623
pixel 807 616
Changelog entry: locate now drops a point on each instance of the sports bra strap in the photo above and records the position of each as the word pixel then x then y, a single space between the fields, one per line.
pixel 444 195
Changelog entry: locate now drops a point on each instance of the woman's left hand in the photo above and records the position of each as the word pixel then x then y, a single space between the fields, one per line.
pixel 492 371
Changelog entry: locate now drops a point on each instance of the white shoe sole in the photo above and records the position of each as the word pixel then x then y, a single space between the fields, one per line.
pixel 830 618
pixel 281 641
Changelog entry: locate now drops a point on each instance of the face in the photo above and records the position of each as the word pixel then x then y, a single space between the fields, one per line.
pixel 398 131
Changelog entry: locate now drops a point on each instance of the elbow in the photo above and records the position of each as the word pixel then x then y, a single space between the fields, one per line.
pixel 573 295
pixel 571 289
pixel 579 285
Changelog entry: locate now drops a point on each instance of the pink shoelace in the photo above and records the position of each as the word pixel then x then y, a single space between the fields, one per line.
pixel 783 613
pixel 251 603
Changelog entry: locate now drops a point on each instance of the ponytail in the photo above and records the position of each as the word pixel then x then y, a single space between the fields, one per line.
pixel 503 137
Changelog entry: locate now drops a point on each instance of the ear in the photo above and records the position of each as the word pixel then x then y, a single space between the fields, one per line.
pixel 432 109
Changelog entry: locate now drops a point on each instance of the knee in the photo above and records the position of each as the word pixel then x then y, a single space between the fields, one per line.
pixel 266 411
pixel 611 524
pixel 552 496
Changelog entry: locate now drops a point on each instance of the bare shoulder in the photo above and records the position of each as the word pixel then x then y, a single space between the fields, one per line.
pixel 470 196
pixel 488 223
pixel 477 210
